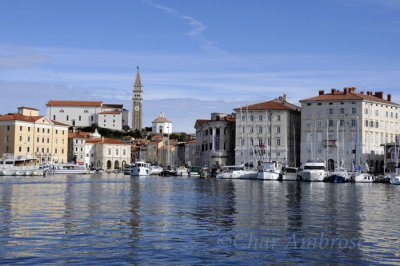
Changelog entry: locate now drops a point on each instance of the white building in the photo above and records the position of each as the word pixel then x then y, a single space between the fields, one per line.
pixel 268 131
pixel 336 124
pixel 86 113
pixel 162 125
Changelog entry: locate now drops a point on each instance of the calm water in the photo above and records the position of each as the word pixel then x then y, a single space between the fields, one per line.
pixel 115 219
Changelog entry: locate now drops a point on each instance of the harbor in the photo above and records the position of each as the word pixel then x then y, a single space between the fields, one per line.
pixel 117 219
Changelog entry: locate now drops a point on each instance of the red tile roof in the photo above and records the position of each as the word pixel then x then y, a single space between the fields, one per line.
pixel 112 105
pixel 74 103
pixel 110 112
pixel 19 117
pixel 276 104
pixel 348 94
pixel 202 121
pixel 106 141
pixel 30 108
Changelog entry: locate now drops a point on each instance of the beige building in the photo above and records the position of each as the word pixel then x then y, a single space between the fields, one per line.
pixel 268 131
pixel 336 124
pixel 27 134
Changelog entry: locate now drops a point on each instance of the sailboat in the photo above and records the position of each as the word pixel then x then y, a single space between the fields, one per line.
pixel 271 170
pixel 340 174
pixel 358 176
pixel 314 170
pixel 395 178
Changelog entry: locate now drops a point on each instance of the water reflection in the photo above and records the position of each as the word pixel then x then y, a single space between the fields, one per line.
pixel 118 219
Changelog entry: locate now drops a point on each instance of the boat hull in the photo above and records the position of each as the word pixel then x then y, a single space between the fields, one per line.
pixel 363 178
pixel 395 180
pixel 269 175
pixel 140 171
pixel 313 176
pixel 289 177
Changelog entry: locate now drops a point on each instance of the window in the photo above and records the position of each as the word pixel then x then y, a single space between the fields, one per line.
pixel 353 123
pixel 29 129
pixel 366 111
pixel 308 123
pixel 8 138
pixel 19 149
pixel 38 130
pixel 20 128
pixel 48 131
pixel 251 117
pixel 43 140
pixel 79 118
pixel 330 123
pixel 48 140
pixel 29 139
pixel 260 130
pixel 251 130
pixel 319 123
pixel 55 150
pixel 376 112
pixel 341 110
pixel 251 142
pixel 91 118
pixel 67 117
pixel 63 132
pixel 366 123
pixel 86 111
pixel 42 130
pixel 54 117
pixel 278 118
pixel 341 123
pixel 62 151
pixel 260 118
pixel 377 124
pixel 371 123
pixel 278 130
pixel 330 111
pixel 260 142
pixel 8 128
pixel 243 118
pixel 20 138
pixel 353 111
pixel 61 111
pixel 278 142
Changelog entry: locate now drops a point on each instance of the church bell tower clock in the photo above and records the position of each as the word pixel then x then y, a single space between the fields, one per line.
pixel 137 99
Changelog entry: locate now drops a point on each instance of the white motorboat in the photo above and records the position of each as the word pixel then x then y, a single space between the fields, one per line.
pixel 236 172
pixel 155 170
pixel 363 178
pixel 140 168
pixel 18 166
pixel 270 171
pixel 182 171
pixel 314 171
pixel 67 168
pixel 395 178
pixel 290 174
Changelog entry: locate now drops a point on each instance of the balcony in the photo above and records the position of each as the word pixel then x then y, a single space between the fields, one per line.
pixel 330 142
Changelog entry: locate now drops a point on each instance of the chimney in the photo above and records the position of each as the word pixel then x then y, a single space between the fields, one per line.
pixel 379 94
pixel 352 90
pixel 333 91
pixel 362 92
pixel 321 92
pixel 345 90
pixel 389 97
pixel 369 93
pixel 284 97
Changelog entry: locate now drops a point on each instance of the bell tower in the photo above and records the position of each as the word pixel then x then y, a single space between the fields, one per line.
pixel 137 99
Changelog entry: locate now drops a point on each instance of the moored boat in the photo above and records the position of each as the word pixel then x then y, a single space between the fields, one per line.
pixel 290 174
pixel 314 172
pixel 340 175
pixel 140 168
pixel 67 168
pixel 270 171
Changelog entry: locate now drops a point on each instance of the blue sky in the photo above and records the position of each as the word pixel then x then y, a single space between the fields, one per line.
pixel 196 57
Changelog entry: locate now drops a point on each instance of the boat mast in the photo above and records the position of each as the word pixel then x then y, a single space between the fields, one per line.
pixel 242 138
pixel 327 144
pixel 355 153
pixel 337 144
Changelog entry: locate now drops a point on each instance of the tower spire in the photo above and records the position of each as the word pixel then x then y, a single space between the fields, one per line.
pixel 138 80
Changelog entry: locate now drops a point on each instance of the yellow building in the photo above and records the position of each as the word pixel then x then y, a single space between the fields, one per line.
pixel 28 135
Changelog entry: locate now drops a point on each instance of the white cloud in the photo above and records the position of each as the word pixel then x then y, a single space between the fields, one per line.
pixel 197 27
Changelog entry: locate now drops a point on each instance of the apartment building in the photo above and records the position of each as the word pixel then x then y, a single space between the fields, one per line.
pixel 346 128
pixel 27 134
pixel 268 131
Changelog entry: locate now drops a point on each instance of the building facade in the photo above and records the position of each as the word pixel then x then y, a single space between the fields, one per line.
pixel 346 128
pixel 215 140
pixel 27 134
pixel 137 105
pixel 86 113
pixel 268 131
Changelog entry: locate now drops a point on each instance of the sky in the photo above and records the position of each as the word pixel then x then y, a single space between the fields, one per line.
pixel 196 57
